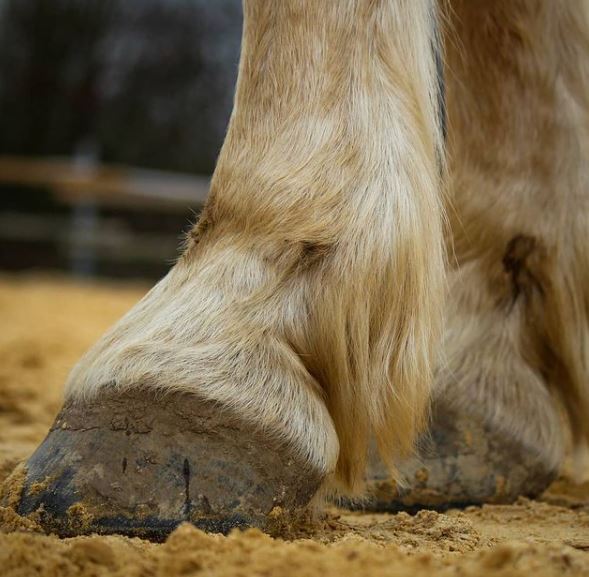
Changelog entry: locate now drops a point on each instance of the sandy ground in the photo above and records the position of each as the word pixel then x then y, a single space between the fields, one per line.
pixel 48 323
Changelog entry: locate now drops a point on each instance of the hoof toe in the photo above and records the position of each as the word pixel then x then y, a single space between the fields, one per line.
pixel 460 462
pixel 140 464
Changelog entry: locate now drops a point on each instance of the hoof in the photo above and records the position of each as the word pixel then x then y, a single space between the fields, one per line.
pixel 139 464
pixel 460 462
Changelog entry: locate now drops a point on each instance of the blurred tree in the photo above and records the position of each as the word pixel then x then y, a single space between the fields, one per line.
pixel 149 81
pixel 49 70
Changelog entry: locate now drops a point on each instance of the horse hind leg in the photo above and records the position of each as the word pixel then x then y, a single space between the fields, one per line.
pixel 515 366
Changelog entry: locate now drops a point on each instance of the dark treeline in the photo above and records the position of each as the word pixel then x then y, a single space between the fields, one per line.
pixel 144 82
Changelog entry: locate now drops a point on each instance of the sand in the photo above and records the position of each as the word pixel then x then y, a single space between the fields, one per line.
pixel 46 325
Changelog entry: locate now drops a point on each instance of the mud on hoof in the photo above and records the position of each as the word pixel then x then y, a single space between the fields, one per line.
pixel 461 461
pixel 140 464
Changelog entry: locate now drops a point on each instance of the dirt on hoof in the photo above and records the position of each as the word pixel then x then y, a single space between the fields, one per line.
pixel 47 326
pixel 139 463
pixel 460 461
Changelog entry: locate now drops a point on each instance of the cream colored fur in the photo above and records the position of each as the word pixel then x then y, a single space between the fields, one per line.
pixel 310 295
pixel 517 332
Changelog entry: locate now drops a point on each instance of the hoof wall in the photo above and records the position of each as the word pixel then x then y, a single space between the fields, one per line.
pixel 139 464
pixel 460 462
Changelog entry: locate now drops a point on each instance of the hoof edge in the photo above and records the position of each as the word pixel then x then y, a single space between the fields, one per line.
pixel 139 464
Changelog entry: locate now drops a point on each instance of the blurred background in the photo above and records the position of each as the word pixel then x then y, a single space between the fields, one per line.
pixel 112 113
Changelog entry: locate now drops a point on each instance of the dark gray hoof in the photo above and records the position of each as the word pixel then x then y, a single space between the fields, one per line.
pixel 461 461
pixel 140 464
